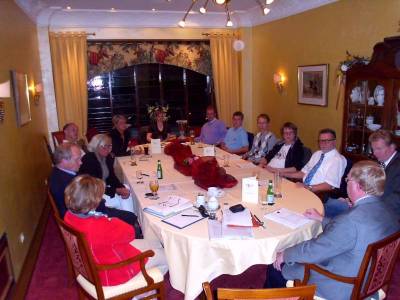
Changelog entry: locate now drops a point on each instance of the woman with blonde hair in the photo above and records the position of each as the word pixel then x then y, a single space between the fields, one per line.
pixel 82 196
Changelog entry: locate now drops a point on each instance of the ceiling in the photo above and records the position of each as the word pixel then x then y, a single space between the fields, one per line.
pixel 157 13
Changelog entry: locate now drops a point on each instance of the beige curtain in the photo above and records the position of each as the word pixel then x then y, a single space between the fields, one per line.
pixel 225 65
pixel 69 60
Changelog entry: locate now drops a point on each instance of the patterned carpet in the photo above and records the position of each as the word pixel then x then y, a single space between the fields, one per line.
pixel 49 280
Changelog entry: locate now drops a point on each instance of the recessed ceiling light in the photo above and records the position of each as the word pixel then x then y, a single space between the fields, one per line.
pixel 153 9
pixel 68 7
pixel 266 10
pixel 269 1
pixel 112 9
pixel 203 10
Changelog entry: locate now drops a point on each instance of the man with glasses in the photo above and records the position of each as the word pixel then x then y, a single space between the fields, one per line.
pixel 384 150
pixel 341 246
pixel 325 169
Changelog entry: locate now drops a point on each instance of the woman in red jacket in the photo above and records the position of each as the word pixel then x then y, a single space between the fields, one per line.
pixel 109 239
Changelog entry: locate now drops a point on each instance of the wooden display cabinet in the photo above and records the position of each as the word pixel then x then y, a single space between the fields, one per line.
pixel 364 103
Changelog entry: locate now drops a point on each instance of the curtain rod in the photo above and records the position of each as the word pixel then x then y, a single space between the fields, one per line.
pixel 218 34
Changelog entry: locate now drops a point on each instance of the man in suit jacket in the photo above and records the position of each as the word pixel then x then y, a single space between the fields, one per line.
pixel 384 150
pixel 341 246
pixel 67 162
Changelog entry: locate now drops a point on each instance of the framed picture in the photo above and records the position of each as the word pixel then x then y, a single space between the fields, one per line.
pixel 313 85
pixel 21 97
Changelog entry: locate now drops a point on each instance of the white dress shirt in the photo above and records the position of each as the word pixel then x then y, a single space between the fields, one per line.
pixel 278 161
pixel 330 171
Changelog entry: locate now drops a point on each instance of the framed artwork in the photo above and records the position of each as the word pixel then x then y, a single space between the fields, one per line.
pixel 313 85
pixel 21 97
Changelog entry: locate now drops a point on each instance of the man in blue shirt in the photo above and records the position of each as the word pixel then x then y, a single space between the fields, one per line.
pixel 213 132
pixel 236 140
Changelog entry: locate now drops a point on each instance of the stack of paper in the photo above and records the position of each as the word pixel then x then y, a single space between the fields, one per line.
pixel 171 206
pixel 288 218
pixel 242 218
pixel 216 230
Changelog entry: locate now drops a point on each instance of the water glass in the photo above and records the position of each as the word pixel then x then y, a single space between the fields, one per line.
pixel 139 176
pixel 133 157
pixel 278 185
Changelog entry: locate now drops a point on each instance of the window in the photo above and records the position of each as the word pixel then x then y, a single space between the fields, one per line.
pixel 129 91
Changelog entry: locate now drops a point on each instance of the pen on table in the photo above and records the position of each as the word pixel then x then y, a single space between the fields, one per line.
pixel 145 174
pixel 190 216
pixel 258 220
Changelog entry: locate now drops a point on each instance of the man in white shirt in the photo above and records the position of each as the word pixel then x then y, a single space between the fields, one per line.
pixel 325 169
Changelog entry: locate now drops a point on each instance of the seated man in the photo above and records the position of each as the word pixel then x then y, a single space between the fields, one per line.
pixel 384 149
pixel 341 246
pixel 287 155
pixel 263 142
pixel 236 140
pixel 325 169
pixel 71 135
pixel 213 132
pixel 67 162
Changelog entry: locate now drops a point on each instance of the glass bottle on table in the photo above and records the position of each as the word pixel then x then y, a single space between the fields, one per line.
pixel 159 170
pixel 270 193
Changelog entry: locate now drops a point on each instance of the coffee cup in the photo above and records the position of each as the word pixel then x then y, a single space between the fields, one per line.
pixel 214 192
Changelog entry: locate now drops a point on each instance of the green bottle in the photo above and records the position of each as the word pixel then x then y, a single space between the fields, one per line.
pixel 159 170
pixel 270 194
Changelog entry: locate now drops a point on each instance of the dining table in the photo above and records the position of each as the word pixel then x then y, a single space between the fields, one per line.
pixel 193 257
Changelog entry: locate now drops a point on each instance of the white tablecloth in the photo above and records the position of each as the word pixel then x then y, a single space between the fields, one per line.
pixel 192 257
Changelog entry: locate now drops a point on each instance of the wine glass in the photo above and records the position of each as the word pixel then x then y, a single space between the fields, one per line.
pixel 139 176
pixel 153 184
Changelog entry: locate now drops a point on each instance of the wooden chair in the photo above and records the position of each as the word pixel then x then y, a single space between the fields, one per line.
pixel 302 292
pixel 90 133
pixel 380 259
pixel 49 151
pixel 58 137
pixel 86 271
pixel 53 204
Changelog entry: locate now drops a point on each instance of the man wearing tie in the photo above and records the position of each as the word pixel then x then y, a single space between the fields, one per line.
pixel 325 169
pixel 384 150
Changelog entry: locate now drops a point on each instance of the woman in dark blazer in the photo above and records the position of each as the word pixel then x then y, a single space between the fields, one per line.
pixel 100 164
pixel 286 156
pixel 120 136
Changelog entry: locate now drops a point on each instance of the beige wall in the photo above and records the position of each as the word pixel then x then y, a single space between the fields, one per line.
pixel 24 162
pixel 319 36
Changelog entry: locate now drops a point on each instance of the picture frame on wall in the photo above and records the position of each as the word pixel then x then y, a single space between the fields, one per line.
pixel 313 84
pixel 21 97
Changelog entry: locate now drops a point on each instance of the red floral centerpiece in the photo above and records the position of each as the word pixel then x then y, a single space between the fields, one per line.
pixel 182 155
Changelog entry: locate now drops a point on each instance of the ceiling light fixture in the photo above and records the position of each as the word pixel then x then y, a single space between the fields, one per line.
pixel 203 9
pixel 269 2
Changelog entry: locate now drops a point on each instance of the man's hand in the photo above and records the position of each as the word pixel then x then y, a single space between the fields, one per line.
pixel 263 162
pixel 313 214
pixel 300 185
pixel 279 260
pixel 346 200
pixel 123 192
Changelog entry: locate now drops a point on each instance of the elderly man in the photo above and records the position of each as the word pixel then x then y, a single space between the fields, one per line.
pixel 325 169
pixel 341 246
pixel 71 135
pixel 236 140
pixel 67 162
pixel 384 149
pixel 213 132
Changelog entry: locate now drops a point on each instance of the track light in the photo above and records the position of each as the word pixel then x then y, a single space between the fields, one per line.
pixel 269 2
pixel 266 10
pixel 220 2
pixel 203 9
pixel 182 23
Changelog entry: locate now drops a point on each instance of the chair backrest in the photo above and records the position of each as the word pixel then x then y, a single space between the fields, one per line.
pixel 380 259
pixel 91 132
pixel 294 293
pixel 207 291
pixel 250 138
pixel 306 155
pixel 49 151
pixel 53 204
pixel 343 183
pixel 80 255
pixel 58 137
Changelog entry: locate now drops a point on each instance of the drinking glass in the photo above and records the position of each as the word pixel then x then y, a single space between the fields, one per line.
pixel 133 157
pixel 191 137
pixel 153 185
pixel 278 185
pixel 146 149
pixel 139 176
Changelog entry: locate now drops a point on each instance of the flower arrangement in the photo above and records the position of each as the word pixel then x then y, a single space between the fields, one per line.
pixel 153 109
pixel 351 60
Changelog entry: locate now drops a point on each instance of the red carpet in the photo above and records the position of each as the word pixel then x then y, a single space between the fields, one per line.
pixel 49 280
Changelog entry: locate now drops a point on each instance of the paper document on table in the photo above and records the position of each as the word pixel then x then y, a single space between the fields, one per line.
pixel 184 218
pixel 250 190
pixel 209 151
pixel 168 207
pixel 287 218
pixel 218 231
pixel 167 187
pixel 244 164
pixel 155 146
pixel 242 218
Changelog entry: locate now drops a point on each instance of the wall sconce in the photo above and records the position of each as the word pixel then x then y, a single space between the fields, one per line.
pixel 36 91
pixel 4 93
pixel 279 80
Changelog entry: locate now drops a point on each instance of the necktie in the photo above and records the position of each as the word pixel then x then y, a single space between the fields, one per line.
pixel 314 170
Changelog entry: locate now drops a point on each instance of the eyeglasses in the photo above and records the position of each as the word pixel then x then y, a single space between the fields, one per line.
pixel 107 146
pixel 326 141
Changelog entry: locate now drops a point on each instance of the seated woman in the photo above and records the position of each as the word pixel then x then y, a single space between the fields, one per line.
pixel 158 128
pixel 263 141
pixel 82 196
pixel 100 164
pixel 120 135
pixel 287 155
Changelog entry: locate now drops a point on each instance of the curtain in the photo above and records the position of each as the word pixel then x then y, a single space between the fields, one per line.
pixel 69 60
pixel 225 65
